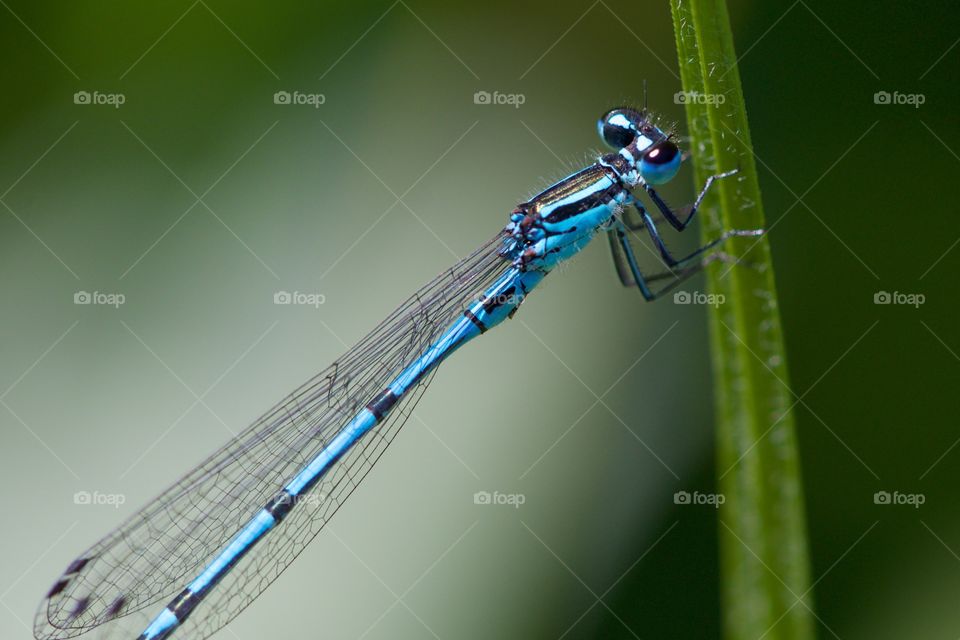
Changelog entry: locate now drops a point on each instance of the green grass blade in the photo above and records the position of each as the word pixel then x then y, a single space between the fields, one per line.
pixel 762 532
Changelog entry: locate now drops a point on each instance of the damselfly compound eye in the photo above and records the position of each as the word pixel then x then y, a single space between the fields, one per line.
pixel 660 162
pixel 618 127
pixel 662 153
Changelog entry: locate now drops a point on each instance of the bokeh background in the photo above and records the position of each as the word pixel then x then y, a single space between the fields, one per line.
pixel 199 198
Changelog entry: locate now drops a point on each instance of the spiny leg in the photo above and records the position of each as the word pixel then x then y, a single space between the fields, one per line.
pixel 670 215
pixel 638 279
pixel 665 253
pixel 628 214
pixel 622 252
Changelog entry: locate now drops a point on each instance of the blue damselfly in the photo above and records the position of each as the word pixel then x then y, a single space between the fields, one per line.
pixel 212 542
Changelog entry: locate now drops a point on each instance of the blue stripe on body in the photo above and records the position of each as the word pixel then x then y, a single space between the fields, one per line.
pixel 557 247
pixel 464 329
pixel 162 624
pixel 458 333
pixel 253 531
pixel 597 186
pixel 359 425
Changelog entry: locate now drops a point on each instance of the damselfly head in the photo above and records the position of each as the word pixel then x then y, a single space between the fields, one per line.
pixel 656 156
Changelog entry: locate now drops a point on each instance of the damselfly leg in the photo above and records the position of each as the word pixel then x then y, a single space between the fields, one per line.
pixel 668 257
pixel 630 274
pixel 670 215
pixel 635 217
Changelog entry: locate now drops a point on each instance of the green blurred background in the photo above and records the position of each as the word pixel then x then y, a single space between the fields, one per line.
pixel 121 401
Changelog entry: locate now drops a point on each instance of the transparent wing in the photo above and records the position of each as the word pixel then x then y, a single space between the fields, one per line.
pixel 151 556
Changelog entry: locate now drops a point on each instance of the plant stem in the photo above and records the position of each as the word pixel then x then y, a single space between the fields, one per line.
pixel 765 582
